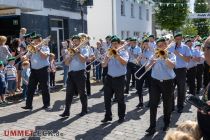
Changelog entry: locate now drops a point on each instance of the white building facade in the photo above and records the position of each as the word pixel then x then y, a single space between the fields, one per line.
pixel 124 18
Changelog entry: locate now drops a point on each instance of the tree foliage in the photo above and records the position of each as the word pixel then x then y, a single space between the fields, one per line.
pixel 171 14
pixel 201 6
pixel 189 28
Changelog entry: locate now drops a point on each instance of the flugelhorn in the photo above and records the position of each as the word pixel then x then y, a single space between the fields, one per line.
pixel 32 48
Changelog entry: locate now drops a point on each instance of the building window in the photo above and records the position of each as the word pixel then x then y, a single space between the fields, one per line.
pixel 122 34
pixel 140 13
pixel 128 34
pixel 147 14
pixel 122 7
pixel 132 10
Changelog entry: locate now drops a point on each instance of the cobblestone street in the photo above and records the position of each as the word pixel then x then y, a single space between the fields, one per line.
pixel 88 127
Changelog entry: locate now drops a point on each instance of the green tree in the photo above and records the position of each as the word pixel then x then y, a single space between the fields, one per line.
pixel 189 28
pixel 171 14
pixel 201 6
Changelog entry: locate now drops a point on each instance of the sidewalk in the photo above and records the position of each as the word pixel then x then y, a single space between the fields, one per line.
pixel 88 127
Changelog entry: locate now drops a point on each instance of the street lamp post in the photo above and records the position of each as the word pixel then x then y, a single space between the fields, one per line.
pixel 81 2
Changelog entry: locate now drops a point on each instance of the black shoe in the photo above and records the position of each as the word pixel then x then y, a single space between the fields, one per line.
pixel 65 114
pixel 165 128
pixel 106 120
pixel 83 113
pixel 150 131
pixel 45 107
pixel 27 108
pixel 132 86
pixel 180 110
pixel 148 105
pixel 121 120
pixel 140 105
pixel 114 100
pixel 126 92
pixel 102 89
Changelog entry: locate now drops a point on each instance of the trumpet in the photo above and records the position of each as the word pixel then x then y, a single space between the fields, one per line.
pixel 32 48
pixel 72 51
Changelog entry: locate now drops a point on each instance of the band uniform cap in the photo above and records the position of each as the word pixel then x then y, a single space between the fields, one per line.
pixel 75 37
pixel 1 63
pixel 187 36
pixel 133 39
pixel 145 40
pixel 115 39
pixel 177 35
pixel 197 44
pixel 108 37
pixel 160 40
pixel 11 59
pixel 82 35
pixel 188 40
pixel 204 38
pixel 33 34
pixel 128 39
pixel 37 36
pixel 152 36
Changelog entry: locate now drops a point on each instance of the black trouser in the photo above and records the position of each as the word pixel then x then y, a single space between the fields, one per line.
pixel 206 74
pixel 116 86
pixel 166 88
pixel 88 68
pixel 76 83
pixel 88 83
pixel 38 76
pixel 180 81
pixel 131 69
pixel 52 78
pixel 191 74
pixel 204 125
pixel 140 83
pixel 199 76
pixel 104 74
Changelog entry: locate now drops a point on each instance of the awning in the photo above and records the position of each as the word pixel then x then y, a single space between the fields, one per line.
pixel 24 5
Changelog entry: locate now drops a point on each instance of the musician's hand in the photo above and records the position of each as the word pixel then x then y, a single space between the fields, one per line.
pixel 202 112
pixel 77 50
pixel 176 52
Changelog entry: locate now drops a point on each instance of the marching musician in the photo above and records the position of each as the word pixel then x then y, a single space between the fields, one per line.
pixel 76 77
pixel 90 58
pixel 134 51
pixel 199 68
pixel 115 80
pixel 183 55
pixel 105 69
pixel 191 67
pixel 39 73
pixel 161 83
pixel 143 60
pixel 152 42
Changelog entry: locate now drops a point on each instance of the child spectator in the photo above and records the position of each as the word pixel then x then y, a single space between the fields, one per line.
pixel 52 70
pixel 2 84
pixel 4 50
pixel 11 74
pixel 25 73
pixel 22 32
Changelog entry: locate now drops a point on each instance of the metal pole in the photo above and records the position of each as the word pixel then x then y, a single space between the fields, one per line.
pixel 82 17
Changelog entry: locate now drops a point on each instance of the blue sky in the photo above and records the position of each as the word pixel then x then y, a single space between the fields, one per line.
pixel 192 5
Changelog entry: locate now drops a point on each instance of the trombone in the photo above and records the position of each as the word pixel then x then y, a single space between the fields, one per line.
pixel 160 54
pixel 72 51
pixel 32 48
pixel 113 52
